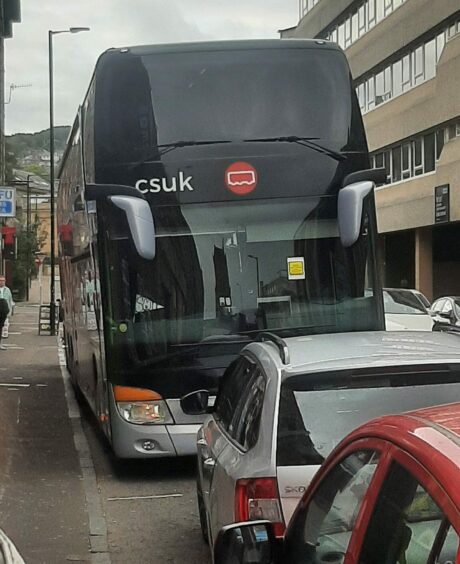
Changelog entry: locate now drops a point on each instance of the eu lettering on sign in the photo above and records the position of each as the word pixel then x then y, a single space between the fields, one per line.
pixel 7 201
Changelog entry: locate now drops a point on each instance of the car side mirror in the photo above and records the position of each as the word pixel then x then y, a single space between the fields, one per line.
pixel 445 315
pixel 195 403
pixel 137 210
pixel 246 543
pixel 356 187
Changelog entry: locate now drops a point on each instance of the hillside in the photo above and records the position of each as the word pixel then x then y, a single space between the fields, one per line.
pixel 25 144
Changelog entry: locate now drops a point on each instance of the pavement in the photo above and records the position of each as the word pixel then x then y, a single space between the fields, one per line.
pixel 42 500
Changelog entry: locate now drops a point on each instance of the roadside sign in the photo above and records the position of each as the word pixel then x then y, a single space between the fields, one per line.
pixel 296 268
pixel 44 319
pixel 7 201
pixel 442 204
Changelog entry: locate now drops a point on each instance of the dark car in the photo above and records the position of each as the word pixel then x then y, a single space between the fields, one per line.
pixel 387 494
pixel 446 314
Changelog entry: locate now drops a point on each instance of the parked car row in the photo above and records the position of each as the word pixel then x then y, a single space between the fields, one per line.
pixel 283 406
pixel 410 310
pixel 406 310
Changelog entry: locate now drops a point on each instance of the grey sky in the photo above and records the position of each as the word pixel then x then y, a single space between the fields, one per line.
pixel 114 23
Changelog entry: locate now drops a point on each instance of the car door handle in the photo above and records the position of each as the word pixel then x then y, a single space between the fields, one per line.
pixel 209 462
pixel 202 442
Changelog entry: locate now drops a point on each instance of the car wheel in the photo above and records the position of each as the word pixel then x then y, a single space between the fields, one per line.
pixel 202 514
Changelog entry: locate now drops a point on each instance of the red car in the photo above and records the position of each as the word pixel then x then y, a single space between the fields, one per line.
pixel 388 494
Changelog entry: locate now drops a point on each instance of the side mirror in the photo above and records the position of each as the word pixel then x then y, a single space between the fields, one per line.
pixel 445 316
pixel 137 209
pixel 195 403
pixel 350 210
pixel 246 543
pixel 140 221
pixel 356 186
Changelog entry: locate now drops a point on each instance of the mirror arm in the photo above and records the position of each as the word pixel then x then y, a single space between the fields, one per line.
pixel 102 192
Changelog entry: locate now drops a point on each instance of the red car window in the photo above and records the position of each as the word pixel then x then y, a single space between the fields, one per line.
pixel 407 525
pixel 322 532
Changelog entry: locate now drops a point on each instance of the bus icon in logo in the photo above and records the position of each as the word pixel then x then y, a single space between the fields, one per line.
pixel 241 178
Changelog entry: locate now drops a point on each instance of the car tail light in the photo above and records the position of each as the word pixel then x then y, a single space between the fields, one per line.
pixel 259 499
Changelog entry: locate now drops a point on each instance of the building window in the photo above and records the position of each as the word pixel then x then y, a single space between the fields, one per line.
pixel 406 73
pixel 341 35
pixel 388 7
pixel 418 65
pixel 440 136
pixel 440 44
pixel 412 69
pixel 406 161
pixel 396 164
pixel 429 156
pixel 417 156
pixel 379 160
pixel 371 93
pixel 362 28
pixel 348 32
pixel 397 78
pixel 370 10
pixel 360 21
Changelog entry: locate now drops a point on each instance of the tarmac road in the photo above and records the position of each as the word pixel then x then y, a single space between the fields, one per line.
pixel 147 529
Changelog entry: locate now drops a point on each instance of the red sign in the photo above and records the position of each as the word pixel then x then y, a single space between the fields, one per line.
pixel 8 235
pixel 241 178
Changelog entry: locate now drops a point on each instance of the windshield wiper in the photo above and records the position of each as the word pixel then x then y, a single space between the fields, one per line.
pixel 167 147
pixel 305 141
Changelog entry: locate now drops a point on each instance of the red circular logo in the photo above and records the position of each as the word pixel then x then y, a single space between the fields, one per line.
pixel 241 178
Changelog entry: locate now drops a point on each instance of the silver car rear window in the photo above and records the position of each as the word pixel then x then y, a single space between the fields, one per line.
pixel 317 411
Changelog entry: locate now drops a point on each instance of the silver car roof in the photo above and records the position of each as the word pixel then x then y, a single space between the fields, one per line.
pixel 342 351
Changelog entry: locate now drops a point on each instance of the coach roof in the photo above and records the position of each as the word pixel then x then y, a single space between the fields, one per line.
pixel 238 45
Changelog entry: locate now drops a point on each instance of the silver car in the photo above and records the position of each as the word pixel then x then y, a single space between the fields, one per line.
pixel 283 405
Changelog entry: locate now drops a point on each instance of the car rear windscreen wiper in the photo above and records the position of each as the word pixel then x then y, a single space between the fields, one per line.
pixel 305 141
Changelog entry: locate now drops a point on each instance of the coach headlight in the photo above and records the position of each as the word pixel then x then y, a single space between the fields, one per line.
pixel 141 407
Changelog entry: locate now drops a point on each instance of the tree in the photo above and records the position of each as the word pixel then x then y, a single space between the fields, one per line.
pixel 28 244
pixel 11 162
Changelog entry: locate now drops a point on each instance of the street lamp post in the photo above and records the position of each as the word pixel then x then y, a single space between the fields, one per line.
pixel 257 272
pixel 52 210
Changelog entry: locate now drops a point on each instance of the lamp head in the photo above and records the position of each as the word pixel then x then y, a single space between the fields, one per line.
pixel 78 29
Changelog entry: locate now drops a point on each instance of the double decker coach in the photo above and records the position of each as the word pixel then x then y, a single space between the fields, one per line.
pixel 209 192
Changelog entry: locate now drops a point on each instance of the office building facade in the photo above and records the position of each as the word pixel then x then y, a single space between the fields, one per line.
pixel 405 60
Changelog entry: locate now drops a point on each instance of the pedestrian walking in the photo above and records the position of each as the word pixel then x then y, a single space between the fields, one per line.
pixel 6 306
